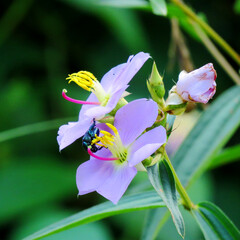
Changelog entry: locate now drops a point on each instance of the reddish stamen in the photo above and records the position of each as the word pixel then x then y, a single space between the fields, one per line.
pixel 100 158
pixel 77 101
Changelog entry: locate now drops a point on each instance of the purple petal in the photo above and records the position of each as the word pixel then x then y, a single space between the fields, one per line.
pixel 109 77
pixel 147 144
pixel 132 119
pixel 82 114
pixel 116 184
pixel 122 74
pixel 70 132
pixel 100 111
pixel 133 65
pixel 107 178
pixel 92 174
pixel 114 83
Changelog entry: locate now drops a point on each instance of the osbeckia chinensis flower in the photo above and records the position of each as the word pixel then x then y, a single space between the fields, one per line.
pixel 103 98
pixel 111 169
pixel 198 85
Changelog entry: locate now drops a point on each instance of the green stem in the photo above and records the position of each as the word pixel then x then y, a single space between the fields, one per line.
pixel 186 200
pixel 188 11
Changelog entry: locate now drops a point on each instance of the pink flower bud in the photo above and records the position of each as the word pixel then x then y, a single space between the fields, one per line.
pixel 198 85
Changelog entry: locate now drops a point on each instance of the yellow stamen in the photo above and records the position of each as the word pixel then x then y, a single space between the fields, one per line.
pixel 83 79
pixel 106 139
pixel 113 128
pixel 101 145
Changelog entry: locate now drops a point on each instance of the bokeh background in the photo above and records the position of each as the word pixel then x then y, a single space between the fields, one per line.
pixel 40 43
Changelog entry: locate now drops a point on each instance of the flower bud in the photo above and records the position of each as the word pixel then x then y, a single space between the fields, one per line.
pixel 155 85
pixel 198 85
pixel 175 105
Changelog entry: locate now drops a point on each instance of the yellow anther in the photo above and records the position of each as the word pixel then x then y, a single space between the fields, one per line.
pixel 106 133
pixel 101 145
pixel 83 79
pixel 106 139
pixel 113 128
pixel 95 141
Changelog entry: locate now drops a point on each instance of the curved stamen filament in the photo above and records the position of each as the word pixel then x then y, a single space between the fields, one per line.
pixel 64 91
pixel 100 158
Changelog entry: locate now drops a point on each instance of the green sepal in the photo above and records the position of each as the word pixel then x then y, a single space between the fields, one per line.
pixel 176 109
pixel 156 86
pixel 122 102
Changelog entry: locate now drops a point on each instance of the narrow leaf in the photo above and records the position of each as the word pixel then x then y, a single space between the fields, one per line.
pixel 32 129
pixel 159 7
pixel 136 4
pixel 226 156
pixel 126 204
pixel 163 181
pixel 154 220
pixel 214 128
pixel 214 223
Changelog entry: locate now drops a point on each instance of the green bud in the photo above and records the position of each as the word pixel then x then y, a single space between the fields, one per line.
pixel 155 85
pixel 147 162
pixel 175 105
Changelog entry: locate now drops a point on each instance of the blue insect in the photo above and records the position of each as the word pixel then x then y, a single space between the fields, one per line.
pixel 89 136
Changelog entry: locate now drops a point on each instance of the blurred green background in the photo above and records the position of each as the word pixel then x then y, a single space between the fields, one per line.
pixel 40 43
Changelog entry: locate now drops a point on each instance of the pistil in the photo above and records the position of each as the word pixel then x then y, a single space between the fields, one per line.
pixel 100 158
pixel 64 91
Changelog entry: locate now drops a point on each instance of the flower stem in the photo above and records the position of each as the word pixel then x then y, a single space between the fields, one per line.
pixel 188 11
pixel 186 200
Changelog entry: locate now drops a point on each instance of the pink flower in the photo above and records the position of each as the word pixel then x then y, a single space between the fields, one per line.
pixel 198 85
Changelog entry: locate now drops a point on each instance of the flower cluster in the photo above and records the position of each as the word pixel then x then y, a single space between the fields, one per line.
pixel 118 148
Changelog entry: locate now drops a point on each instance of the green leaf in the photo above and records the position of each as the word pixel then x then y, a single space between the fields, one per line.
pixel 212 131
pixel 46 215
pixel 155 219
pixel 214 128
pixel 159 7
pixel 214 223
pixel 136 4
pixel 163 181
pixel 226 156
pixel 32 129
pixel 126 204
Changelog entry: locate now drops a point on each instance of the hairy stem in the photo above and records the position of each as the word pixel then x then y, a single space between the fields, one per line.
pixel 186 200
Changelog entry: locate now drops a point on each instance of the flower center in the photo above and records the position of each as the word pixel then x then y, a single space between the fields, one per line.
pixel 89 82
pixel 113 143
pixel 122 157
